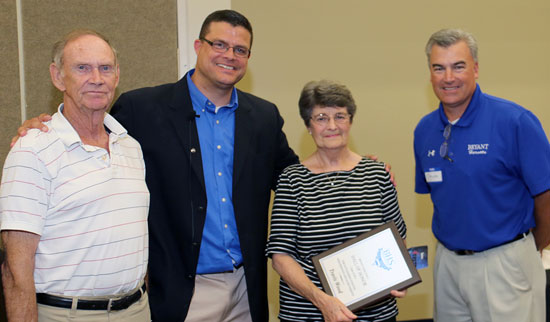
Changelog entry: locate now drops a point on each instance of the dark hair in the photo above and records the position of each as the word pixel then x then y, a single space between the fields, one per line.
pixel 231 17
pixel 325 93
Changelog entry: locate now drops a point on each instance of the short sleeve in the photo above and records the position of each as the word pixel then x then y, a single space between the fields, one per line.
pixel 23 191
pixel 284 220
pixel 534 153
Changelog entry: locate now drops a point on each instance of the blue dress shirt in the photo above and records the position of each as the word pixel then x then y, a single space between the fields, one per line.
pixel 220 247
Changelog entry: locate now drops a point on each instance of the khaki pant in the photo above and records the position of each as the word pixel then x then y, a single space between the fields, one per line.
pixel 502 284
pixel 137 312
pixel 220 297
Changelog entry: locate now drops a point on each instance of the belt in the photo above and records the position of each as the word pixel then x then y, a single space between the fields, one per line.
pixel 462 252
pixel 236 267
pixel 105 305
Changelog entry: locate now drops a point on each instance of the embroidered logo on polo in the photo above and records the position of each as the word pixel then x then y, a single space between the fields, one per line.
pixel 475 149
pixel 431 153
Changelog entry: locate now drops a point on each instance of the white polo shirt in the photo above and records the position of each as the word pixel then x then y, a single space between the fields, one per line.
pixel 88 205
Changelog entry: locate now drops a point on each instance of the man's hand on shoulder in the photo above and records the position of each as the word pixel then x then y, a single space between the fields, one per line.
pixel 388 168
pixel 34 123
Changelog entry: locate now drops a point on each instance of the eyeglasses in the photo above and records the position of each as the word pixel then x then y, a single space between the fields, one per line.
pixel 444 148
pixel 221 47
pixel 322 118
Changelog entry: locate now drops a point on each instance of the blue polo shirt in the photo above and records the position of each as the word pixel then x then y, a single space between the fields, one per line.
pixel 220 246
pixel 501 160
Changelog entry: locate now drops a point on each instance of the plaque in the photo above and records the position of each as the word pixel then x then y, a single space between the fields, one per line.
pixel 364 269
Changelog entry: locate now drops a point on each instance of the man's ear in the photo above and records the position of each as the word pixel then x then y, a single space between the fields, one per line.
pixel 57 78
pixel 197 45
pixel 117 75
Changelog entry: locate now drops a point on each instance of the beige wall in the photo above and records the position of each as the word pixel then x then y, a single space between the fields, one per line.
pixel 376 48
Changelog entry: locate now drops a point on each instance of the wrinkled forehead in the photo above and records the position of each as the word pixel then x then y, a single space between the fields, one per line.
pixel 333 109
pixel 456 52
pixel 88 49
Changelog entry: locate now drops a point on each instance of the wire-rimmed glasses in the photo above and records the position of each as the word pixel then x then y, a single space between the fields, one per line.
pixel 323 119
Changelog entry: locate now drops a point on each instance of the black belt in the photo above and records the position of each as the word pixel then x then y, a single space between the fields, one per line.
pixel 115 305
pixel 236 267
pixel 462 252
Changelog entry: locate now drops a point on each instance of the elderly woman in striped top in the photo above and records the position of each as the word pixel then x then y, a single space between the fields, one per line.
pixel 333 195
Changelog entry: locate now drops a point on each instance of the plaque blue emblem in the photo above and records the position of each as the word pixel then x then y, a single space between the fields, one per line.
pixel 384 259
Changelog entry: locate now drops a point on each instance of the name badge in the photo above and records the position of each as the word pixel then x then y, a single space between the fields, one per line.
pixel 433 175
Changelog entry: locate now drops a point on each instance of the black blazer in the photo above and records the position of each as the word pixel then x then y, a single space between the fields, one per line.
pixel 162 120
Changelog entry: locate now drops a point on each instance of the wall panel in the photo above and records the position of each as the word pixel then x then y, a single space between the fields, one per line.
pixel 144 33
pixel 10 115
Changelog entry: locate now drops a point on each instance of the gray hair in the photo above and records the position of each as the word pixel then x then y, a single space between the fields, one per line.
pixel 448 37
pixel 325 93
pixel 58 47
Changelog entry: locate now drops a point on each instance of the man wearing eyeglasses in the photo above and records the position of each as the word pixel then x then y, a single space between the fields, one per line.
pixel 213 153
pixel 486 163
pixel 74 201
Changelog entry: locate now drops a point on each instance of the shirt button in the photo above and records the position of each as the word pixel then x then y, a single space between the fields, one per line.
pixel 223 199
pixel 225 226
pixel 219 147
pixel 217 121
pixel 219 174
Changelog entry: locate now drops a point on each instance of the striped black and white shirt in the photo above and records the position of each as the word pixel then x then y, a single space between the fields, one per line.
pixel 314 212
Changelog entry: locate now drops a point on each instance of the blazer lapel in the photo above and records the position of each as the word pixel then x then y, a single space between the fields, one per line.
pixel 243 135
pixel 182 117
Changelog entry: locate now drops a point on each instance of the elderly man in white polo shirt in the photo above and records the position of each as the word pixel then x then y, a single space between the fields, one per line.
pixel 74 203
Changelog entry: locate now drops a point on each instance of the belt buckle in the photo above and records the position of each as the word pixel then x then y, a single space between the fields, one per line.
pixel 464 252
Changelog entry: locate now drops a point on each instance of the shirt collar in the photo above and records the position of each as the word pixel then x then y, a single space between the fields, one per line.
pixel 69 136
pixel 201 102
pixel 469 114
